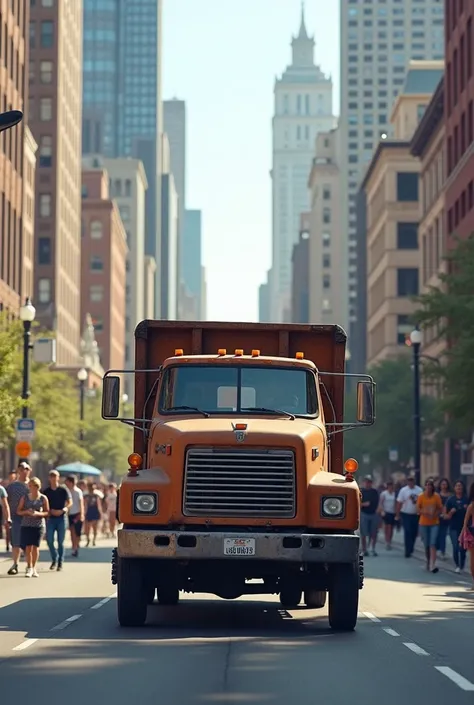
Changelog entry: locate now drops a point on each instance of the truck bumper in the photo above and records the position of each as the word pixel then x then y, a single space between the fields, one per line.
pixel 195 545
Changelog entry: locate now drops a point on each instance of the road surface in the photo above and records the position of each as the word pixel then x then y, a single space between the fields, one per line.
pixel 60 643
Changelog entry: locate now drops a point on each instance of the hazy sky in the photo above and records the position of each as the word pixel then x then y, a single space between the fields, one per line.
pixel 222 57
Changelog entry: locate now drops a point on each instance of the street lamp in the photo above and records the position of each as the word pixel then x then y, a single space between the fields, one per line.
pixel 82 375
pixel 415 340
pixel 27 316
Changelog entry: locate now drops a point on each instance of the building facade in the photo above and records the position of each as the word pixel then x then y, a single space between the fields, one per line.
pixel 300 286
pixel 30 148
pixel 327 293
pixel 191 259
pixel 103 268
pixel 377 42
pixel 264 302
pixel 174 118
pixel 169 274
pixel 302 109
pixel 55 93
pixel 149 305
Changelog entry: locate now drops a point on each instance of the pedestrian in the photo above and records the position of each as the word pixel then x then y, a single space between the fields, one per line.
pixel 407 512
pixel 15 491
pixel 93 506
pixel 59 502
pixel 455 510
pixel 111 505
pixel 387 510
pixel 369 518
pixel 33 509
pixel 76 513
pixel 5 517
pixel 466 539
pixel 444 491
pixel 429 507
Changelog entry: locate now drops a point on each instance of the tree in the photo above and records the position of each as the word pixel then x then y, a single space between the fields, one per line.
pixel 10 393
pixel 108 442
pixel 393 427
pixel 449 310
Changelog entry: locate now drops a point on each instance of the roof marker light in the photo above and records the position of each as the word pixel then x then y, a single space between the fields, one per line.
pixel 239 352
pixel 178 352
pixel 222 351
pixel 240 426
pixel 299 355
pixel 255 353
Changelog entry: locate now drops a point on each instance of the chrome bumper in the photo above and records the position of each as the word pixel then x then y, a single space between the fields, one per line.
pixel 314 548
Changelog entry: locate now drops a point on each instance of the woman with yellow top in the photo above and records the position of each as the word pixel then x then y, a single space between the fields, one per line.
pixel 429 507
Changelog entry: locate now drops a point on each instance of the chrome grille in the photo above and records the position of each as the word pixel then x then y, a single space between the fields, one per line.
pixel 235 482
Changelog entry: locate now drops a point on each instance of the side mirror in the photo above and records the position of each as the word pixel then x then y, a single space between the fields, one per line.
pixel 111 398
pixel 10 119
pixel 366 402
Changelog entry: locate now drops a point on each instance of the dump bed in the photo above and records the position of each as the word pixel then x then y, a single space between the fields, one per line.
pixel 323 344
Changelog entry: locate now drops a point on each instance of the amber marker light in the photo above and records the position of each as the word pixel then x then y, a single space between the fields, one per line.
pixel 178 352
pixel 255 353
pixel 135 461
pixel 239 352
pixel 351 466
pixel 222 351
pixel 299 355
pixel 240 427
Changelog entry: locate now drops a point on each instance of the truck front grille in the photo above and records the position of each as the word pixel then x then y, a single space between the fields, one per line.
pixel 238 482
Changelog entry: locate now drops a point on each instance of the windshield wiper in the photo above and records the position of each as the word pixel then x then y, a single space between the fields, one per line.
pixel 188 408
pixel 264 410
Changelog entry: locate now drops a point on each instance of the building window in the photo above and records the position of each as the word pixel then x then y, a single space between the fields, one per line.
pixel 407 282
pixel 326 261
pixel 96 292
pixel 97 264
pixel 326 215
pixel 404 328
pixel 46 109
pixel 97 230
pixel 46 150
pixel 407 186
pixel 47 34
pixel 420 111
pixel 98 324
pixel 46 71
pixel 44 251
pixel 326 193
pixel 407 236
pixel 128 188
pixel 125 213
pixel 32 34
pixel 44 291
pixel 326 281
pixel 84 191
pixel 326 239
pixel 45 205
pixel 47 3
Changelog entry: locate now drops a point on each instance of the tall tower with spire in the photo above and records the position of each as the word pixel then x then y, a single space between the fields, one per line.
pixel 302 109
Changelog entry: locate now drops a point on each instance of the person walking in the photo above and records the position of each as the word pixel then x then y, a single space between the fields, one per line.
pixel 5 517
pixel 59 502
pixel 15 491
pixel 33 509
pixel 466 539
pixel 387 510
pixel 444 491
pixel 429 507
pixel 93 506
pixel 455 511
pixel 111 507
pixel 407 512
pixel 76 513
pixel 369 519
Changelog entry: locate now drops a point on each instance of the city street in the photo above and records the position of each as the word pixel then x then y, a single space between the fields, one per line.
pixel 59 642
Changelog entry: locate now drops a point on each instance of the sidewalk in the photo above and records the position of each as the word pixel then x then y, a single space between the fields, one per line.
pixel 419 552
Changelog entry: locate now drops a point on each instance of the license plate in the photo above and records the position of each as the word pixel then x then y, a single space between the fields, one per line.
pixel 239 547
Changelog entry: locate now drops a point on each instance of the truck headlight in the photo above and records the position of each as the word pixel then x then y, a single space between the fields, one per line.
pixel 333 507
pixel 145 503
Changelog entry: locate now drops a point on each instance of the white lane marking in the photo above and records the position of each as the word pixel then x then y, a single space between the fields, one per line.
pixel 391 632
pixel 103 602
pixel 415 648
pixel 462 582
pixel 66 623
pixel 25 644
pixel 371 616
pixel 460 681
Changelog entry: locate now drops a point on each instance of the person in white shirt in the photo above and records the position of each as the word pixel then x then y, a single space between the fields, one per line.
pixel 76 513
pixel 407 511
pixel 111 507
pixel 388 510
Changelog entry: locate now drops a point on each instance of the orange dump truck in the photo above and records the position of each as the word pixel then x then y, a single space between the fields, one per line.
pixel 237 483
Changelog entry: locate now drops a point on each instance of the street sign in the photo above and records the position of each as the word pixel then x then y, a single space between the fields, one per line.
pixel 25 430
pixel 393 455
pixel 23 449
pixel 467 469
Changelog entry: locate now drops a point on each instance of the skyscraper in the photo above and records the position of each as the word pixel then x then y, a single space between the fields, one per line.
pixel 302 109
pixel 174 117
pixel 123 113
pixel 55 121
pixel 377 42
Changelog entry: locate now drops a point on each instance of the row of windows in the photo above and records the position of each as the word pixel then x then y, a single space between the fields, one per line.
pixel 462 137
pixel 463 207
pixel 46 40
pixel 460 69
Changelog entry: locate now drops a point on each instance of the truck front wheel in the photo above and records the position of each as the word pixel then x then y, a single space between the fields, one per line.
pixel 290 597
pixel 315 599
pixel 344 597
pixel 131 593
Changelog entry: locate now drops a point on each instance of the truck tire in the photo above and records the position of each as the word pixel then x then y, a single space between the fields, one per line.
pixel 168 596
pixel 344 597
pixel 131 593
pixel 315 599
pixel 290 597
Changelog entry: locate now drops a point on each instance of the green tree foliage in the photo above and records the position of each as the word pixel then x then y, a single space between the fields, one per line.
pixel 10 393
pixel 449 310
pixel 108 442
pixel 393 427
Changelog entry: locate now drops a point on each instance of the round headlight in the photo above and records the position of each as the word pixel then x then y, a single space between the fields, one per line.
pixel 145 503
pixel 333 506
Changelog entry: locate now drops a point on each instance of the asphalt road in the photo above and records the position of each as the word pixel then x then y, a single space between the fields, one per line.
pixel 60 643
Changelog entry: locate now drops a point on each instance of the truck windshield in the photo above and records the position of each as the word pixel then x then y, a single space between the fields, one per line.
pixel 223 389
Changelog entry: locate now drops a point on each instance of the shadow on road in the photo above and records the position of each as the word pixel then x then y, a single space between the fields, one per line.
pixel 97 554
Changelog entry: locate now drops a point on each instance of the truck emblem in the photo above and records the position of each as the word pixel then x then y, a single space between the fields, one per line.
pixel 314 453
pixel 163 448
pixel 240 436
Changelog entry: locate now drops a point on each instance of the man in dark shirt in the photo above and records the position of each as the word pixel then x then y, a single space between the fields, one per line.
pixel 59 502
pixel 369 518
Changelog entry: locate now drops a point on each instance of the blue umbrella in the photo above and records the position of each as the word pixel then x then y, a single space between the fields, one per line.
pixel 79 469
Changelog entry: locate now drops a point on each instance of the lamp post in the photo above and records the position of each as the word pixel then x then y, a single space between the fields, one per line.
pixel 82 376
pixel 27 316
pixel 415 340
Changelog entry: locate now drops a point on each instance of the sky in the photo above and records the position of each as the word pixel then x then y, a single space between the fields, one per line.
pixel 222 58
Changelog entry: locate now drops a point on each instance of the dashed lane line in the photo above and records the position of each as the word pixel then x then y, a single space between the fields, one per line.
pixel 103 602
pixel 62 625
pixel 25 645
pixel 371 616
pixel 455 677
pixel 390 631
pixel 415 648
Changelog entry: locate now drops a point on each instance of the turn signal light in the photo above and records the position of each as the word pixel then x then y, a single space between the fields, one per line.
pixel 222 351
pixel 135 460
pixel 240 427
pixel 299 355
pixel 178 352
pixel 351 465
pixel 255 353
pixel 239 352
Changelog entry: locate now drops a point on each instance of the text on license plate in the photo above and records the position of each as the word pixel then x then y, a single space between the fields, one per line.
pixel 239 547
